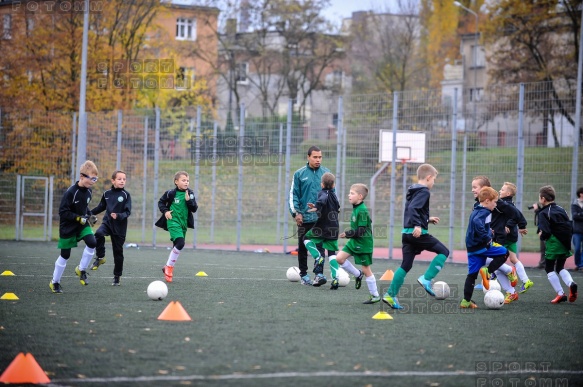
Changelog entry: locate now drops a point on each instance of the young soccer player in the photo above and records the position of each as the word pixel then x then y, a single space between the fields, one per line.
pixel 74 225
pixel 556 230
pixel 117 204
pixel 325 230
pixel 480 246
pixel 507 225
pixel 177 206
pixel 478 183
pixel 360 243
pixel 416 237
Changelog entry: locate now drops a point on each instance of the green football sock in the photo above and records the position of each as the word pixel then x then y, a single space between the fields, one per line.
pixel 311 246
pixel 397 282
pixel 333 265
pixel 435 266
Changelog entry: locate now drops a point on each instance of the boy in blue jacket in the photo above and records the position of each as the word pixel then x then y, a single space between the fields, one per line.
pixel 480 245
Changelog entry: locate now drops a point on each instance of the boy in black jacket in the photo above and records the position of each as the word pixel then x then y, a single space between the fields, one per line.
pixel 74 225
pixel 556 230
pixel 324 231
pixel 117 204
pixel 415 236
pixel 177 206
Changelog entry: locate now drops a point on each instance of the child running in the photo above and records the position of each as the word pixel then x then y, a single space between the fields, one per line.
pixel 360 244
pixel 416 237
pixel 556 231
pixel 480 246
pixel 74 225
pixel 325 231
pixel 177 206
pixel 117 204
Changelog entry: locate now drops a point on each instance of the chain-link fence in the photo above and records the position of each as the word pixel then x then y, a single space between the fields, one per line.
pixel 241 166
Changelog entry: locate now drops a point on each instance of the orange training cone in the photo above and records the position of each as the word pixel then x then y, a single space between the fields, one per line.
pixel 388 276
pixel 24 369
pixel 174 312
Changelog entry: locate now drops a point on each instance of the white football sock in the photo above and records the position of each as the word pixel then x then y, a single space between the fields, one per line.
pixel 173 257
pixel 86 258
pixel 566 277
pixel 504 282
pixel 371 282
pixel 60 265
pixel 521 272
pixel 555 283
pixel 350 269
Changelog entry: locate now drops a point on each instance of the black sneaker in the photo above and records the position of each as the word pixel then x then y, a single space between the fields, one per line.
pixel 98 262
pixel 82 274
pixel 55 287
pixel 319 265
pixel 319 280
pixel 334 284
pixel 358 280
pixel 115 281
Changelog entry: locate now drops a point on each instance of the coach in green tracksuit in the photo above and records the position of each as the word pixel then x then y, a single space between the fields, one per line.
pixel 304 189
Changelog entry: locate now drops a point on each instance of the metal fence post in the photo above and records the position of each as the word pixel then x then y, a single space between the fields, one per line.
pixel 240 179
pixel 520 158
pixel 393 174
pixel 213 183
pixel 156 178
pixel 119 130
pixel 145 179
pixel 452 181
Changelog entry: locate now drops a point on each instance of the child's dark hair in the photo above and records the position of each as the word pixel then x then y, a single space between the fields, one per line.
pixel 328 180
pixel 114 174
pixel 579 191
pixel 547 192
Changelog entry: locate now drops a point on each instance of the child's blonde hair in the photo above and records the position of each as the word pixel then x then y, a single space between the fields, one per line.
pixel 487 193
pixel 511 188
pixel 360 189
pixel 426 170
pixel 328 180
pixel 89 168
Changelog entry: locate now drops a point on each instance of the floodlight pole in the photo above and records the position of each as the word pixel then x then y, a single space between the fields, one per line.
pixel 82 137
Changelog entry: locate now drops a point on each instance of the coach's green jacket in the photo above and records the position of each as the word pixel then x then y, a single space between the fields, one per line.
pixel 305 186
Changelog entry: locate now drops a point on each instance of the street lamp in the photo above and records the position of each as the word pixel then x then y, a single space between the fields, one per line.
pixel 474 58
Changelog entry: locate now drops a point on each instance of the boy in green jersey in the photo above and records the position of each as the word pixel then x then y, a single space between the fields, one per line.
pixel 360 243
pixel 177 206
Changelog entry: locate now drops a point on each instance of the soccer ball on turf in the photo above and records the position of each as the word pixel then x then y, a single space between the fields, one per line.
pixel 494 299
pixel 157 290
pixel 441 290
pixel 293 274
pixel 343 277
pixel 494 285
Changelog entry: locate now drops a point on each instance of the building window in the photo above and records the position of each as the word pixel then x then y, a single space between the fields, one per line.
pixel 185 29
pixel 7 24
pixel 338 78
pixel 185 78
pixel 476 94
pixel 478 59
pixel 241 73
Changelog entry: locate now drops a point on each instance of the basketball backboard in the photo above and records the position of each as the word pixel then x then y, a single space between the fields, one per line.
pixel 410 146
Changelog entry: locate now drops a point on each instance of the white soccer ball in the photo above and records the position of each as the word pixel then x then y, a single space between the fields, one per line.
pixel 441 290
pixel 157 290
pixel 494 299
pixel 343 277
pixel 494 285
pixel 293 274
